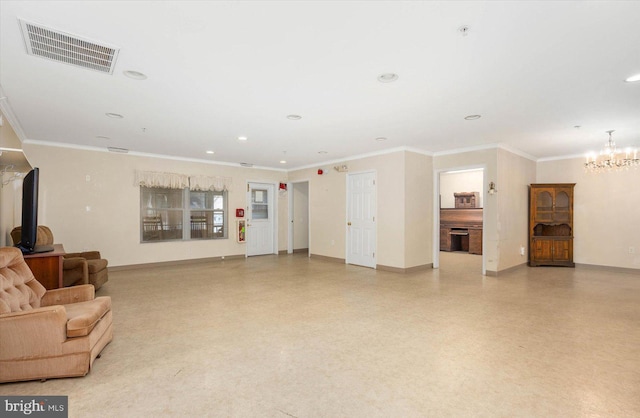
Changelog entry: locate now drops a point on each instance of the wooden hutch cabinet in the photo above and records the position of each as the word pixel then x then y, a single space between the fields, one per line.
pixel 551 224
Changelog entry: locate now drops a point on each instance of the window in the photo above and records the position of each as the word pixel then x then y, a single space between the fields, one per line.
pixel 165 212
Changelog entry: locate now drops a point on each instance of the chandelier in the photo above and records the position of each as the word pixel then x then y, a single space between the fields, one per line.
pixel 611 159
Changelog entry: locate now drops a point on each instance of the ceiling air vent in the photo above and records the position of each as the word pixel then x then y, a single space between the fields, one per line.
pixel 69 49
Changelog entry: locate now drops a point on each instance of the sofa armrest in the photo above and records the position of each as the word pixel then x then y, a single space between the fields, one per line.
pixel 67 295
pixel 34 333
pixel 70 263
pixel 89 255
pixel 75 271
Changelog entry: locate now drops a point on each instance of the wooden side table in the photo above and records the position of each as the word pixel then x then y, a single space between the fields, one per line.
pixel 47 267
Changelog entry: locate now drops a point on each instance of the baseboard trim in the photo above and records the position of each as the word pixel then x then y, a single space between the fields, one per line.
pixel 625 270
pixel 414 269
pixel 327 258
pixel 494 273
pixel 176 262
pixel 301 250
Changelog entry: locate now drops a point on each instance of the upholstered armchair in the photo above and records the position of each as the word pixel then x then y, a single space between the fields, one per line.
pixel 96 267
pixel 47 334
pixel 77 268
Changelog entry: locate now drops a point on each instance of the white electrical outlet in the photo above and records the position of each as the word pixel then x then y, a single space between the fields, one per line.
pixel 521 250
pixel 632 250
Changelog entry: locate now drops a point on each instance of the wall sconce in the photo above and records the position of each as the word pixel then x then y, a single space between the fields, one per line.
pixel 492 188
pixel 341 168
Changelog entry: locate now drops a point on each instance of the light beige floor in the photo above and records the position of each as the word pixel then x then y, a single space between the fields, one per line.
pixel 291 336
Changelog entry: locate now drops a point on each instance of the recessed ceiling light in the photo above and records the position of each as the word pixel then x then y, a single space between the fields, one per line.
pixel 102 137
pixel 381 138
pixel 387 77
pixel 242 138
pixel 114 115
pixel 283 161
pixel 633 79
pixel 210 152
pixel 136 75
pixel 472 117
pixel 294 117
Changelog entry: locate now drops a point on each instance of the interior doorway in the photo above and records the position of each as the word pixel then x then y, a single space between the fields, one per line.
pixel 361 219
pixel 459 219
pixel 261 220
pixel 299 215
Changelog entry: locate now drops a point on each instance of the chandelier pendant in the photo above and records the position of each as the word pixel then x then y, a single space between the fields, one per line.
pixel 610 159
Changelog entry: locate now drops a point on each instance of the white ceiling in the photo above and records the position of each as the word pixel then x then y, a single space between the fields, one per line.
pixel 219 70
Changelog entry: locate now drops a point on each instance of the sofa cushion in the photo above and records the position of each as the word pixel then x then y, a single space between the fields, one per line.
pixel 19 290
pixel 82 317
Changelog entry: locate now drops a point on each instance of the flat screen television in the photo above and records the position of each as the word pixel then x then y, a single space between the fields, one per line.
pixel 29 231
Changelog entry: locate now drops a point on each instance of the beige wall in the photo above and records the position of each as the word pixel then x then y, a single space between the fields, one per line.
pixel 606 212
pixel 506 212
pixel 487 159
pixel 450 183
pixel 400 243
pixel 515 173
pixel 300 215
pixel 10 193
pixel 103 212
pixel 418 197
pixel 327 212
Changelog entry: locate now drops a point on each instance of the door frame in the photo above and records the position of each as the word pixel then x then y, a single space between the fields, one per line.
pixel 436 211
pixel 375 226
pixel 290 216
pixel 275 213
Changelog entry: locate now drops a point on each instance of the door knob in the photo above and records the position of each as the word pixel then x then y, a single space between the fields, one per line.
pixel 349 223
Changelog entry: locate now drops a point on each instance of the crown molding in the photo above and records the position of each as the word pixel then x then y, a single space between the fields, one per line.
pixel 366 155
pixel 7 111
pixel 143 154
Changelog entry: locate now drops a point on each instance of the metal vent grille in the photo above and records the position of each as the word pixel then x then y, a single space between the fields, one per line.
pixel 69 49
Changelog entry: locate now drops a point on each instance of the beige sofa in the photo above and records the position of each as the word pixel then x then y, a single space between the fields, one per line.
pixel 47 334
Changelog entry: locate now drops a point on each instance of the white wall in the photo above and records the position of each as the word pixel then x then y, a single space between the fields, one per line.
pixel 103 213
pixel 606 212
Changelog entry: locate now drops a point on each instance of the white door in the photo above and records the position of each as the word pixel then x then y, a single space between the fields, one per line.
pixel 361 219
pixel 260 219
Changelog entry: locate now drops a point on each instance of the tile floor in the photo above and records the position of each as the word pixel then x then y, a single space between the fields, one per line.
pixel 289 336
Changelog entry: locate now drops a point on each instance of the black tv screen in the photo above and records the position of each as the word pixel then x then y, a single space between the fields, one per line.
pixel 29 231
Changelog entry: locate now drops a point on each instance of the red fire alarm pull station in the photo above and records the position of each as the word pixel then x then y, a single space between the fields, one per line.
pixel 320 172
pixel 240 213
pixel 283 186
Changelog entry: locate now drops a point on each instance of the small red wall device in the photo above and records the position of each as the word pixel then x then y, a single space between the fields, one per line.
pixel 240 213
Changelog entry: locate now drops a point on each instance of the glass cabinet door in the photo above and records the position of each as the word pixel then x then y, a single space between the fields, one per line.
pixel 543 201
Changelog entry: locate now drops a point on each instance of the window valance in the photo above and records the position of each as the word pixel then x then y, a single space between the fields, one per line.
pixel 206 183
pixel 180 181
